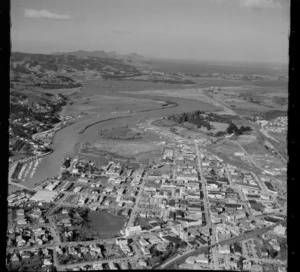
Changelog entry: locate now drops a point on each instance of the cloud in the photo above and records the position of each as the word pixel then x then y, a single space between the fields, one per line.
pixel 260 4
pixel 125 32
pixel 36 14
pixel 254 4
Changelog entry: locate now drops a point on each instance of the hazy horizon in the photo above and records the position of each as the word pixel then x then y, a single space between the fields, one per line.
pixel 208 61
pixel 239 31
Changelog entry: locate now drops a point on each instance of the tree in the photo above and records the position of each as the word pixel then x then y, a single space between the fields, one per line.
pixel 232 128
pixel 220 134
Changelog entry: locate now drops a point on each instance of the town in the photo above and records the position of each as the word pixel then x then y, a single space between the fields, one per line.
pixel 188 201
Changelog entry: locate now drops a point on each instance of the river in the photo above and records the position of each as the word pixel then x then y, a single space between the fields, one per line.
pixel 65 139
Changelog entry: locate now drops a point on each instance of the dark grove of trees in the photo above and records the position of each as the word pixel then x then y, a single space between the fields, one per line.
pixel 199 119
pixel 237 131
pixel 194 118
pixel 202 119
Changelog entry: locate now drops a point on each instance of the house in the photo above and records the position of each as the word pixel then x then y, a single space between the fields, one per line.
pixel 145 250
pixel 63 218
pixel 133 230
pixel 47 262
pixel 94 247
pixel 237 249
pixel 15 258
pixel 112 266
pixel 201 259
pixel 25 255
pixel 143 242
pixel 21 220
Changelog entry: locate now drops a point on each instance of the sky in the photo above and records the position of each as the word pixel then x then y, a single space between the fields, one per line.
pixel 211 30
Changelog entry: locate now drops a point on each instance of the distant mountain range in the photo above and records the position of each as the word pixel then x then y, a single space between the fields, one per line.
pixel 102 54
pixel 26 63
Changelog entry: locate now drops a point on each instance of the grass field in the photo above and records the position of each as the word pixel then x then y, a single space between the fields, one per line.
pixel 124 133
pixel 106 224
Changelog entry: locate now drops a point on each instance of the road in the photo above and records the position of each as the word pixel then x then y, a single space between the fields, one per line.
pixel 203 183
pixel 134 209
pixel 54 245
pixel 180 259
pixel 21 186
pixel 269 261
pixel 214 263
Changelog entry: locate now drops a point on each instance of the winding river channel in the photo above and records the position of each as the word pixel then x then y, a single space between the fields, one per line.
pixel 66 139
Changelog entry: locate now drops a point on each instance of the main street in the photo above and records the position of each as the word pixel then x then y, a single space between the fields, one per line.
pixel 134 209
pixel 215 263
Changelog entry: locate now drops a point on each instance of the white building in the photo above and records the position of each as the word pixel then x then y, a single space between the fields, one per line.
pixel 280 230
pixel 133 230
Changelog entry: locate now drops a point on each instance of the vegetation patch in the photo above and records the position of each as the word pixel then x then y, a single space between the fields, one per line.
pixel 215 125
pixel 269 115
pixel 121 133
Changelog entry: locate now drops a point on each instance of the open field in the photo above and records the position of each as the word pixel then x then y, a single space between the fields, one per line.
pixel 252 99
pixel 263 157
pixel 122 133
pixel 228 152
pixel 66 92
pixel 281 137
pixel 246 139
pixel 218 126
pixel 281 145
pixel 190 134
pixel 120 149
pixel 107 225
pixel 256 148
pixel 268 162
